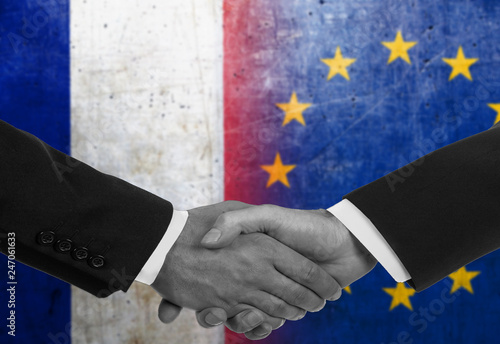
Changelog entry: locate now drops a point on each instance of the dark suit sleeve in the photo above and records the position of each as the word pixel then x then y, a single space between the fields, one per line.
pixel 442 211
pixel 87 228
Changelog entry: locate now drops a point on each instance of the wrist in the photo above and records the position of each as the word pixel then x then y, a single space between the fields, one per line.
pixel 355 259
pixel 370 238
pixel 366 258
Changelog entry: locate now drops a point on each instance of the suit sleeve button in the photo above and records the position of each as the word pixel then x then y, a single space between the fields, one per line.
pixel 64 245
pixel 96 262
pixel 46 238
pixel 80 253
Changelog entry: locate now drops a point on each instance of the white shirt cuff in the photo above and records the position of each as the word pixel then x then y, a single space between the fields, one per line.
pixel 153 266
pixel 364 230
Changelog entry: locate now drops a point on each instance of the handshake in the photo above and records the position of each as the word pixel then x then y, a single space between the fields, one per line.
pixel 285 262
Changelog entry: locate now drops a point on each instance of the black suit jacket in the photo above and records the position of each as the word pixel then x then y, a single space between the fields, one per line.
pixel 85 227
pixel 442 211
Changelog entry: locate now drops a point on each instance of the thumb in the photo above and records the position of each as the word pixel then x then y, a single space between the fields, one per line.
pixel 227 227
pixel 168 312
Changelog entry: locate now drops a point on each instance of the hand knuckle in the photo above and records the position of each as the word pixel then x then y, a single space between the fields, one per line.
pixel 268 209
pixel 280 309
pixel 224 219
pixel 267 305
pixel 233 204
pixel 300 297
pixel 285 310
pixel 312 273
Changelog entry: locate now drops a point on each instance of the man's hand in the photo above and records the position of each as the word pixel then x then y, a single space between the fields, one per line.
pixel 316 234
pixel 255 271
pixel 251 321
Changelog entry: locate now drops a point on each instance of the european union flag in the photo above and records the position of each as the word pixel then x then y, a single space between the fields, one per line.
pixel 324 96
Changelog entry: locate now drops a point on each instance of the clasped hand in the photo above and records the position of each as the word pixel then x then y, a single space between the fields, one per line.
pixel 287 263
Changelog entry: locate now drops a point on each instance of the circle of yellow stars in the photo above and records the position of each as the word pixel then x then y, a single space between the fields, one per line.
pixel 338 65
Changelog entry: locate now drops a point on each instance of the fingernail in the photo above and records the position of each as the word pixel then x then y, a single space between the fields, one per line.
pixel 212 236
pixel 253 319
pixel 262 331
pixel 212 320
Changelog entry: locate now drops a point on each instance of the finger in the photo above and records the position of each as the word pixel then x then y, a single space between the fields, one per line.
pixel 228 206
pixel 336 296
pixel 245 321
pixel 306 273
pixel 293 293
pixel 260 332
pixel 272 305
pixel 211 317
pixel 168 312
pixel 274 220
pixel 251 319
pixel 256 219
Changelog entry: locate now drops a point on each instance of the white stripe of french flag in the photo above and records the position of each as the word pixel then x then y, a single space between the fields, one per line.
pixel 146 106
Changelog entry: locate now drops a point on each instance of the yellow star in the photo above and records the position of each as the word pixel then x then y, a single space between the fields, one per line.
pixel 278 171
pixel 461 279
pixel 496 107
pixel 399 48
pixel 400 295
pixel 348 289
pixel 293 110
pixel 338 65
pixel 460 65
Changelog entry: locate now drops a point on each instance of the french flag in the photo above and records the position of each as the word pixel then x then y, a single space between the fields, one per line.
pixel 294 103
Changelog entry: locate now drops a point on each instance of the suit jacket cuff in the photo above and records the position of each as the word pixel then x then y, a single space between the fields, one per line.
pixel 366 232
